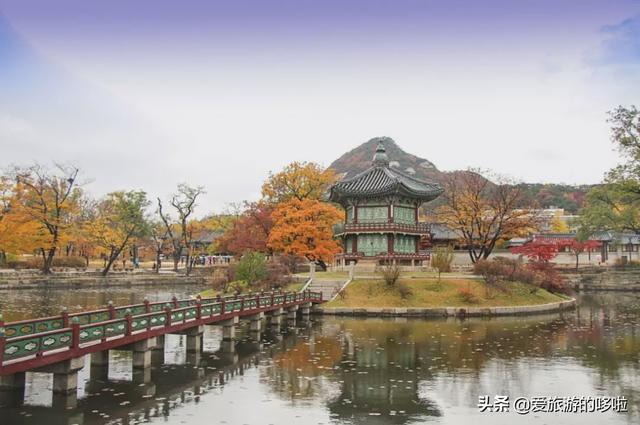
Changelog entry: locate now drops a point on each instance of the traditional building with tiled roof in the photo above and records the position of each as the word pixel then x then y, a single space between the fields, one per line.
pixel 381 213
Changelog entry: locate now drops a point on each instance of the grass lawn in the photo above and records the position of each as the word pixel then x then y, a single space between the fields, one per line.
pixel 430 293
pixel 407 274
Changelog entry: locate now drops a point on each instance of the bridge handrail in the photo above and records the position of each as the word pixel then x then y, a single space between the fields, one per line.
pixel 75 334
pixel 43 324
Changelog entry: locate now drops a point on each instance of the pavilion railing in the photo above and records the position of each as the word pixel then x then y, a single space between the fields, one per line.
pixel 414 228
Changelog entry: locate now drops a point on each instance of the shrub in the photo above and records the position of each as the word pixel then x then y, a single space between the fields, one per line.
pixel 219 284
pixel 510 267
pixel 37 262
pixel 547 277
pixel 467 296
pixel 441 259
pixel 238 286
pixel 404 290
pixel 77 262
pixel 621 263
pixel 491 271
pixel 291 262
pixel 342 294
pixel 251 268
pixel 277 276
pixel 391 273
pixel 19 264
pixel 525 275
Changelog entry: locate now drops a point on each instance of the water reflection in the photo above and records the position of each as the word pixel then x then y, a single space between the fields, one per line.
pixel 372 371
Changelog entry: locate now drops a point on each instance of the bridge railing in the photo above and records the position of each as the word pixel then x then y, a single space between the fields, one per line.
pixel 75 333
pixel 33 326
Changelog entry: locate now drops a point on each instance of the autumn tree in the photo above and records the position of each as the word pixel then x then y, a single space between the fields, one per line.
pixel 483 212
pixel 298 180
pixel 9 222
pixel 80 242
pixel 19 233
pixel 250 232
pixel 119 219
pixel 558 225
pixel 304 228
pixel 577 247
pixel 48 198
pixel 538 251
pixel 180 229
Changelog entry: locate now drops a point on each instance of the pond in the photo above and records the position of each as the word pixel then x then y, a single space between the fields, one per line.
pixel 360 371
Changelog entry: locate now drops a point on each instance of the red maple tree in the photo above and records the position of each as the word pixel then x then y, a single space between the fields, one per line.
pixel 537 250
pixel 249 232
pixel 578 247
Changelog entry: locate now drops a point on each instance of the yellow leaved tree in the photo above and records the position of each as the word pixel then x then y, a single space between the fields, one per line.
pixel 47 201
pixel 298 180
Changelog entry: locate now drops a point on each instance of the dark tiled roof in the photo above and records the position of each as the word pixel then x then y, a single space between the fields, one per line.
pixel 622 238
pixel 440 231
pixel 382 180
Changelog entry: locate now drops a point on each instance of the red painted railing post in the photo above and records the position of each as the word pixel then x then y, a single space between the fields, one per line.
pixel 167 310
pixel 147 307
pixel 3 339
pixel 112 310
pixel 272 297
pixel 127 316
pixel 198 307
pixel 223 306
pixel 75 335
pixel 242 303
pixel 65 317
pixel 258 301
pixel 175 302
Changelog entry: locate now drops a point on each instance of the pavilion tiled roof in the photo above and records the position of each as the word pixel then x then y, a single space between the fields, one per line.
pixel 380 180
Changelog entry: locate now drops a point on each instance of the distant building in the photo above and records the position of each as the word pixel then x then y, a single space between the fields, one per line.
pixel 202 242
pixel 619 245
pixel 443 235
pixel 555 220
pixel 381 214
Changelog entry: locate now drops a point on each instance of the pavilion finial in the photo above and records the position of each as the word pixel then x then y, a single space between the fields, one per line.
pixel 380 157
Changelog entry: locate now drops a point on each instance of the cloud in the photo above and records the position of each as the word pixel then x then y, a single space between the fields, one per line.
pixel 622 43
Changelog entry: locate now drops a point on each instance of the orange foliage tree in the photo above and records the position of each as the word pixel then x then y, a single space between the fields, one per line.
pixel 49 200
pixel 304 228
pixel 298 180
pixel 18 232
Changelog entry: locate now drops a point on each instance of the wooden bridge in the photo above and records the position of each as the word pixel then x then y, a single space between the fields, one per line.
pixel 58 344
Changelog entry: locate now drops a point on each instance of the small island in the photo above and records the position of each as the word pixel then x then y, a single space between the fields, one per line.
pixel 420 292
pixel 455 295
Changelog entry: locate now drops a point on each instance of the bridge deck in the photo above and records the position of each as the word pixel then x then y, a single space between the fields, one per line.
pixel 31 344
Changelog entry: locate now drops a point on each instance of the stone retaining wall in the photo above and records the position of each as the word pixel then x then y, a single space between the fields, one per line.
pixel 451 311
pixel 604 279
pixel 91 280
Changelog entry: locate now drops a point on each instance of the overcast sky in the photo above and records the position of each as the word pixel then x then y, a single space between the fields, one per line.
pixel 149 93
